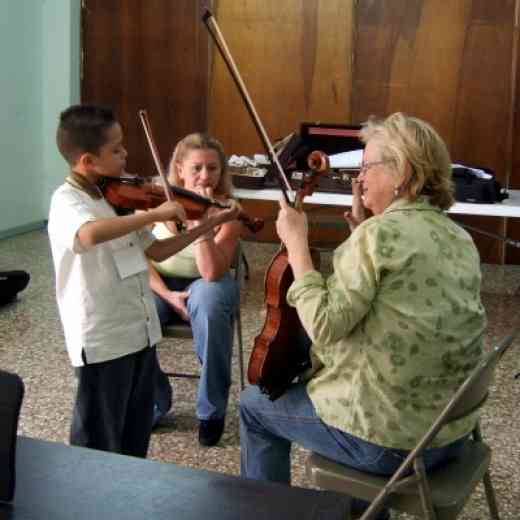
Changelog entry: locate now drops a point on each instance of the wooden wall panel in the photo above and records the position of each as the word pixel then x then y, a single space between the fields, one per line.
pixel 482 119
pixel 149 55
pixel 429 59
pixel 448 63
pixel 402 63
pixel 407 58
pixel 433 67
pixel 383 50
pixel 482 112
pixel 295 59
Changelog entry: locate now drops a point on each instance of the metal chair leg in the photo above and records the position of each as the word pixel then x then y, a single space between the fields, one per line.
pixel 424 490
pixel 240 348
pixel 488 486
pixel 490 495
pixel 179 374
pixel 239 258
pixel 246 266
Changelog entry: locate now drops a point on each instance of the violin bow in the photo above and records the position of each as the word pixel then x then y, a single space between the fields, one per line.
pixel 220 42
pixel 143 116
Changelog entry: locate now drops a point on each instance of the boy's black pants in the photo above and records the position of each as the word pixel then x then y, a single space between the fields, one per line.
pixel 114 404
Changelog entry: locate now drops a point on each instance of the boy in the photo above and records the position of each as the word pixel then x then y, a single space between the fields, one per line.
pixel 105 303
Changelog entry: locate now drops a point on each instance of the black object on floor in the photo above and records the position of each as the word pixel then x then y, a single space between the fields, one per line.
pixel 11 283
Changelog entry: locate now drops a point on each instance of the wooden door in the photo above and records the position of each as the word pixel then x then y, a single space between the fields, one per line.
pixel 150 55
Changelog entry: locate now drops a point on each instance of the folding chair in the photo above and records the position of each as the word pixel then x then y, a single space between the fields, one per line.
pixel 183 330
pixel 439 494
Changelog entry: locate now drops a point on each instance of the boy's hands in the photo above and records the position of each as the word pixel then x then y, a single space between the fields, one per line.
pixel 169 210
pixel 217 216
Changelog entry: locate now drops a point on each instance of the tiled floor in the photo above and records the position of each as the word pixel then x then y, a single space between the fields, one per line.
pixel 31 344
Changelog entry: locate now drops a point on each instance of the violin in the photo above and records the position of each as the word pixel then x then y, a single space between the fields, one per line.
pixel 277 358
pixel 135 193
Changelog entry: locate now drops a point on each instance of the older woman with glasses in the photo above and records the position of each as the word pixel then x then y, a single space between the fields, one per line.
pixel 395 329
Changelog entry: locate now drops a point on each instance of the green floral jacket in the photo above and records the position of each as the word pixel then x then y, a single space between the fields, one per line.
pixel 396 328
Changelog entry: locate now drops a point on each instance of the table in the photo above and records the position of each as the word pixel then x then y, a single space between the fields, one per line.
pixel 508 208
pixel 60 482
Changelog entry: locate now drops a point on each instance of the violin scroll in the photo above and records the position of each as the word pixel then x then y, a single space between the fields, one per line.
pixel 318 161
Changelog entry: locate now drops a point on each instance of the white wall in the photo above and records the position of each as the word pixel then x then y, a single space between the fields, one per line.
pixel 39 77
pixel 60 82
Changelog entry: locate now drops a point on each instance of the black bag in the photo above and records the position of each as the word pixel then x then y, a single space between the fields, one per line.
pixel 470 187
pixel 11 396
pixel 11 283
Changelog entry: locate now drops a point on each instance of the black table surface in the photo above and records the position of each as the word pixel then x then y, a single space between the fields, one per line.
pixel 60 482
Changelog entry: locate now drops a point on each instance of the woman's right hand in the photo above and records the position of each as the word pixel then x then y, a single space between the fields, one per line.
pixel 177 300
pixel 356 215
pixel 292 226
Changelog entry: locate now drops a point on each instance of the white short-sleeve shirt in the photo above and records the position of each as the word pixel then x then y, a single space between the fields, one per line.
pixel 103 293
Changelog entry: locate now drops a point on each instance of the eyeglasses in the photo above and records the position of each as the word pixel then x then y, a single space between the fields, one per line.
pixel 366 166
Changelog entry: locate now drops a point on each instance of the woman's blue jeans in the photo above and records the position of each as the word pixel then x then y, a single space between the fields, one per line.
pixel 268 428
pixel 211 307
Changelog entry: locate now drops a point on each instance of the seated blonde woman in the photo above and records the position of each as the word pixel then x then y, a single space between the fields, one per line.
pixel 196 286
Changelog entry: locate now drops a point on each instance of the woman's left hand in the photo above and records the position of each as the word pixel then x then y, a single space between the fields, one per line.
pixel 207 192
pixel 356 215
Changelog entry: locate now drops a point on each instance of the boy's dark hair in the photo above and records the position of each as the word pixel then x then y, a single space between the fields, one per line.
pixel 82 129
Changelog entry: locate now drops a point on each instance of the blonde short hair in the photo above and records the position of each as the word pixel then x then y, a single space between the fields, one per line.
pixel 408 140
pixel 201 141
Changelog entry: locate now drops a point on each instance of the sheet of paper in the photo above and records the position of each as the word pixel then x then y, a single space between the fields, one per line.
pixel 350 159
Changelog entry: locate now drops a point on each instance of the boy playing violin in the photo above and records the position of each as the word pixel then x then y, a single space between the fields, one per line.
pixel 105 303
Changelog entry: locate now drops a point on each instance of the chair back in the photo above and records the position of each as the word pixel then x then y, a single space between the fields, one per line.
pixel 470 395
pixel 474 391
pixel 236 263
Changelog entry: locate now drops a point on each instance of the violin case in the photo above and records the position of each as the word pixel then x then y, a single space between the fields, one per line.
pixel 330 138
pixel 11 396
pixel 474 188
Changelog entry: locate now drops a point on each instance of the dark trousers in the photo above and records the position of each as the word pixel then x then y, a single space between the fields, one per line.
pixel 114 404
